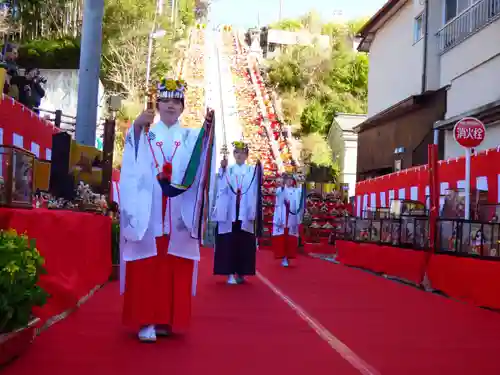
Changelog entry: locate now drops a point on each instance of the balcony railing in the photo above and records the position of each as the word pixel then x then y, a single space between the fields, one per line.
pixel 474 18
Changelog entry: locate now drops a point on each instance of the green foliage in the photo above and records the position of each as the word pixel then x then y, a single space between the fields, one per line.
pixel 61 53
pixel 52 31
pixel 313 118
pixel 317 84
pixel 20 267
pixel 287 25
pixel 315 150
pixel 187 12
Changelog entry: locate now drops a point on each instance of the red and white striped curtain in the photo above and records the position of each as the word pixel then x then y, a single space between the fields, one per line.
pixel 413 183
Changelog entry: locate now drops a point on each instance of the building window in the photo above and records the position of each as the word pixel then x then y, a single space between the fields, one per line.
pixel 453 8
pixel 397 165
pixel 418 33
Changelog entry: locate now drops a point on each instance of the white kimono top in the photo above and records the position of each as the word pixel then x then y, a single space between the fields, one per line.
pixel 229 181
pixel 292 196
pixel 141 219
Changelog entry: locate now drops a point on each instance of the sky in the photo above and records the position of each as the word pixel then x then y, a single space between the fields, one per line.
pixel 245 14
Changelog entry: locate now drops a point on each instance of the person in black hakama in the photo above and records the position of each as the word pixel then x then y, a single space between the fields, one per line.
pixel 235 212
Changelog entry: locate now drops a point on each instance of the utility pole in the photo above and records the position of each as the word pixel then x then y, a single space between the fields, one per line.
pixel 172 16
pixel 281 9
pixel 88 74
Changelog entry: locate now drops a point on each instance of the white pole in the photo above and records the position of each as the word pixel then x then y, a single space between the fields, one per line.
pixel 467 183
pixel 150 53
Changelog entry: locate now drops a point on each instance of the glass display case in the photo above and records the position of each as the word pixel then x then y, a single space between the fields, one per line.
pixel 16 184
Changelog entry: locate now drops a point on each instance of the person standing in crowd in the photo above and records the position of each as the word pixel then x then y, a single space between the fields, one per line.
pixel 235 213
pixel 287 218
pixel 161 177
pixel 31 91
pixel 10 55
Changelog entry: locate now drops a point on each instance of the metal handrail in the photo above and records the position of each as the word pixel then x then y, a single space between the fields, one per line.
pixel 469 21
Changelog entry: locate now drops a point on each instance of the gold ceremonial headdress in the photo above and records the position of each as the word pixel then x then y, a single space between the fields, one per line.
pixel 240 146
pixel 169 88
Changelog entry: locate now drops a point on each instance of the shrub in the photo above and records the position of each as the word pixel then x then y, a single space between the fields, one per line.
pixel 20 267
pixel 50 54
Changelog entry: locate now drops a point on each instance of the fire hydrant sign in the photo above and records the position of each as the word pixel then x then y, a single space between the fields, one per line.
pixel 469 132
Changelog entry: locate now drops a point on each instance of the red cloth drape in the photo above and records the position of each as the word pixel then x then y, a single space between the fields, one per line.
pixel 484 164
pixel 17 119
pixel 476 281
pixel 406 264
pixel 76 247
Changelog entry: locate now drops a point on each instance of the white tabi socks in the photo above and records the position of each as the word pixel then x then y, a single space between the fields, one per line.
pixel 231 280
pixel 147 334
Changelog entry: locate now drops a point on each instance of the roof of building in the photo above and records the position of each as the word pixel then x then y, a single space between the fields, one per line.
pixel 347 121
pixel 370 28
pixel 404 106
pixel 488 114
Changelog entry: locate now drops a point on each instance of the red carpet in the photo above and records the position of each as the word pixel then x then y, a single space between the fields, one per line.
pixel 395 328
pixel 247 329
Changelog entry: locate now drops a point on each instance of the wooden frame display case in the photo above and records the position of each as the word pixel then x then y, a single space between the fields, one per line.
pixel 402 207
pixel 489 213
pixel 17 173
pixel 454 203
pixel 469 238
pixel 407 231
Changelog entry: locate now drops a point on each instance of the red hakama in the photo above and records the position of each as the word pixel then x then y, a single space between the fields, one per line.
pixel 158 290
pixel 285 245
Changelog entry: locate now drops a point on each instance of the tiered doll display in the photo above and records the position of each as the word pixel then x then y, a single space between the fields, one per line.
pixel 321 213
pixel 255 133
pixel 195 75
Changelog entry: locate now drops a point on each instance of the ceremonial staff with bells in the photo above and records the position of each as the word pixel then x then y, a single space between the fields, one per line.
pixel 164 187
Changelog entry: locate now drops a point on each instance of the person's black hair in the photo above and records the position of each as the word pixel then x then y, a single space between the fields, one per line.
pixel 245 150
pixel 180 100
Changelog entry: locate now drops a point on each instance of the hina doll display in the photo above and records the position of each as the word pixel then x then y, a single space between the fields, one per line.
pixel 161 179
pixel 287 218
pixel 235 212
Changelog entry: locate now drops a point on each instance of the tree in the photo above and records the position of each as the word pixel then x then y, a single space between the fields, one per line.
pixel 287 25
pixel 316 84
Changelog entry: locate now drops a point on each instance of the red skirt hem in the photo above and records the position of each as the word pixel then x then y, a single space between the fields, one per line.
pixel 285 245
pixel 158 290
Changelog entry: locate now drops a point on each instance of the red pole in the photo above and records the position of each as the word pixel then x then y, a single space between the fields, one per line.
pixel 434 194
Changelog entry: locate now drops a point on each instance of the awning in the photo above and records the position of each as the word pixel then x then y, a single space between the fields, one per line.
pixel 488 114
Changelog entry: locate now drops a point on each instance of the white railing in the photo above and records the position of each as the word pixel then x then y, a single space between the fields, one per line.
pixel 471 20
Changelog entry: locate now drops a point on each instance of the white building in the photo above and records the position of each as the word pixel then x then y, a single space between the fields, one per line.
pixel 461 55
pixel 275 40
pixel 344 144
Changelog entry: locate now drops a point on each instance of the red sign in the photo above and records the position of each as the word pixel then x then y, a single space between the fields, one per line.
pixel 469 132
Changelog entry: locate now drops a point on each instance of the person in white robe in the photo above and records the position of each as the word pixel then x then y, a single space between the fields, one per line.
pixel 160 179
pixel 235 213
pixel 286 220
